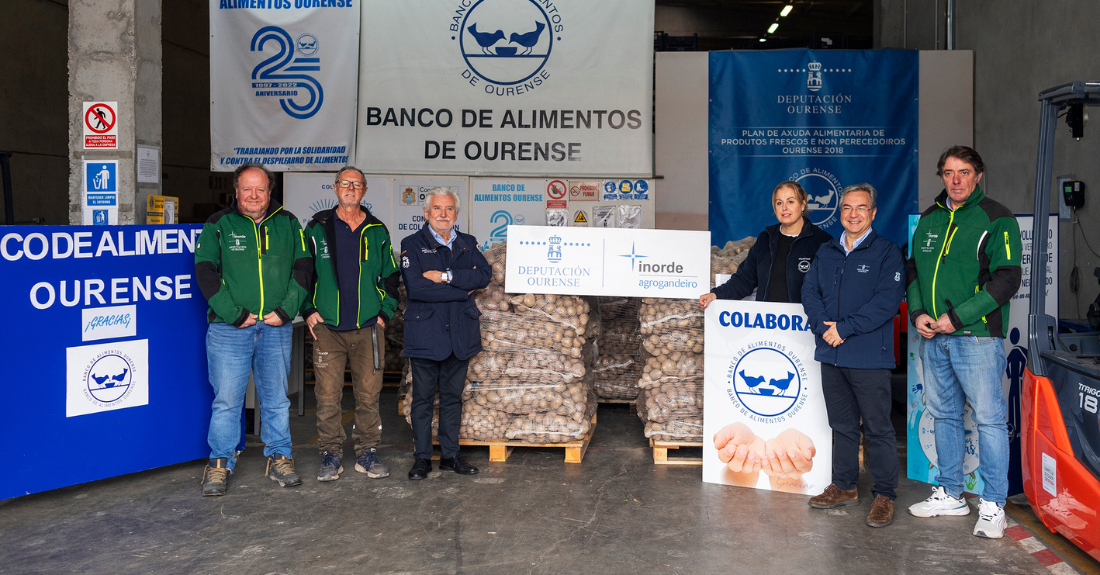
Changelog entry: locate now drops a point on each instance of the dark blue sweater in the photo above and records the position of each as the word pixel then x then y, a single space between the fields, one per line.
pixel 861 292
pixel 756 270
pixel 442 318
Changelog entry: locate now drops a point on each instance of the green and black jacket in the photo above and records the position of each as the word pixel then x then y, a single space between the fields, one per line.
pixel 965 263
pixel 246 267
pixel 378 277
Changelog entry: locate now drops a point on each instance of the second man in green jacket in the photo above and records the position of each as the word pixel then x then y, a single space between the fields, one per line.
pixel 353 295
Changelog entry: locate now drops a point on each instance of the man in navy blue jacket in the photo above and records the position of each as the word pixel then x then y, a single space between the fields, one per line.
pixel 851 294
pixel 442 268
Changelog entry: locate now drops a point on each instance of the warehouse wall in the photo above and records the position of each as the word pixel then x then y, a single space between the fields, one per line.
pixel 186 163
pixel 1021 48
pixel 33 107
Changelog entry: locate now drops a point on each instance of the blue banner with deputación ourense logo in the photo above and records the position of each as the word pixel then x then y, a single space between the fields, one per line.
pixel 825 119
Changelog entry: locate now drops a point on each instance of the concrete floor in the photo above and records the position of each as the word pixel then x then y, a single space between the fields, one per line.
pixel 614 513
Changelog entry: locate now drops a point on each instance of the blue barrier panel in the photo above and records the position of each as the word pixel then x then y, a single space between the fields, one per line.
pixel 105 353
pixel 826 119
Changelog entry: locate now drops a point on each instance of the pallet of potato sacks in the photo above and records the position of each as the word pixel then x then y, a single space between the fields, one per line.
pixel 661 452
pixel 499 450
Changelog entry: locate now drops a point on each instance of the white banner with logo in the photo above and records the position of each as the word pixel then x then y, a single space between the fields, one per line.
pixel 509 87
pixel 307 194
pixel 283 84
pixel 762 394
pixel 607 261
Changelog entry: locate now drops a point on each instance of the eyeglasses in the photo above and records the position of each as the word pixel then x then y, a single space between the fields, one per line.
pixel 350 184
pixel 860 209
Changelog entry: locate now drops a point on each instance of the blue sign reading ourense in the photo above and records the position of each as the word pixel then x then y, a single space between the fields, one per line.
pixel 105 352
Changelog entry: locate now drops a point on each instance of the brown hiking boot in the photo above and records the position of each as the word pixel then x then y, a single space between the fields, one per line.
pixel 882 512
pixel 834 496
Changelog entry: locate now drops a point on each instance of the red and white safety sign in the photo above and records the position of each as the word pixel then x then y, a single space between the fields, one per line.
pixel 555 190
pixel 100 125
pixel 584 190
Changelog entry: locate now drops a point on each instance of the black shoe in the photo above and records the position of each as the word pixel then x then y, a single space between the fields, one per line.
pixel 457 464
pixel 420 469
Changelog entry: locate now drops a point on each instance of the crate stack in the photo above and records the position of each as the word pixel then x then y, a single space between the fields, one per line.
pixel 671 400
pixel 395 336
pixel 618 362
pixel 726 259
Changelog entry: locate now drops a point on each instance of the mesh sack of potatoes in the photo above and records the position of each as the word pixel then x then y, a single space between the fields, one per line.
pixel 395 335
pixel 478 423
pixel 689 429
pixel 617 363
pixel 404 386
pixel 681 428
pixel 619 332
pixel 726 259
pixel 671 367
pixel 525 397
pixel 661 316
pixel 681 340
pixel 616 376
pixel 669 401
pixel 527 347
pixel 546 428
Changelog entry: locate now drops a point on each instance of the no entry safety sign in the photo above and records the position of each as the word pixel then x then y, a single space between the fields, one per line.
pixel 100 125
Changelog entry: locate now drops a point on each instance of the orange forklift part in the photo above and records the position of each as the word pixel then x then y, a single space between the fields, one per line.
pixel 1063 493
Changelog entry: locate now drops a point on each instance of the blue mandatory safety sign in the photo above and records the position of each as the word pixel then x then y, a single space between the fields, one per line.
pixel 641 187
pixel 101 177
pixel 610 190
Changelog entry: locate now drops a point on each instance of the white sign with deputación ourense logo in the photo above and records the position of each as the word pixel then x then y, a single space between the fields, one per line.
pixel 608 261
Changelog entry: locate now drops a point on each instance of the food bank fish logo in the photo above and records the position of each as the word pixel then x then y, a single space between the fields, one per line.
pixel 109 377
pixel 767 382
pixel 506 44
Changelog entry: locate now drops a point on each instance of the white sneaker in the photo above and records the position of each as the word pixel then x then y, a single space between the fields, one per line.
pixel 940 504
pixel 991 520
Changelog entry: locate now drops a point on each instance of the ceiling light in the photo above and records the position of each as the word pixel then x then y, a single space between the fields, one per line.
pixel 787 10
pixel 773 27
pixel 763 39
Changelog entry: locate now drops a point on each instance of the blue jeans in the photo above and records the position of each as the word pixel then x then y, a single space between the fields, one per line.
pixel 231 354
pixel 959 369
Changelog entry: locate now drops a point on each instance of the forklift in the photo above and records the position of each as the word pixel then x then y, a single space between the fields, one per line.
pixel 1060 396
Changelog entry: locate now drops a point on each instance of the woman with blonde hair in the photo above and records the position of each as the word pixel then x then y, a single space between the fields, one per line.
pixel 781 256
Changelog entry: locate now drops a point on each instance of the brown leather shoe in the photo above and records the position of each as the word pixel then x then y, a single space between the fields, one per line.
pixel 834 496
pixel 882 512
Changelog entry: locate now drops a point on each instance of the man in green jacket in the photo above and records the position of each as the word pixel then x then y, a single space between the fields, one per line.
pixel 964 270
pixel 353 295
pixel 251 265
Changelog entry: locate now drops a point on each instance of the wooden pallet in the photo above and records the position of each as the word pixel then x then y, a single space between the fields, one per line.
pixel 633 403
pixel 500 450
pixel 660 452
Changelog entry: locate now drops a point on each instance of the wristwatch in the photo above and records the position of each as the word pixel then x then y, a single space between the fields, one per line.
pixel 445 276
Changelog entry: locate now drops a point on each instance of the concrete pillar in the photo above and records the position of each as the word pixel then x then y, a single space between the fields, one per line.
pixel 115 56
